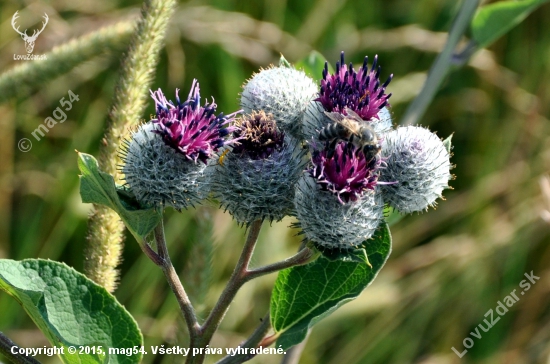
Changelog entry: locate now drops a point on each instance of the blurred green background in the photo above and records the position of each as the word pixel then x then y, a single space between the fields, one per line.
pixel 448 266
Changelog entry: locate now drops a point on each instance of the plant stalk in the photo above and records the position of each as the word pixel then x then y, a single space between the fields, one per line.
pixel 241 275
pixel 200 336
pixel 6 346
pixel 442 64
pixel 235 283
pixel 175 284
pixel 252 342
pixel 304 256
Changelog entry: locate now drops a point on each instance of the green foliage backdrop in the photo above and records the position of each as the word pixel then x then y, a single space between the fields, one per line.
pixel 447 268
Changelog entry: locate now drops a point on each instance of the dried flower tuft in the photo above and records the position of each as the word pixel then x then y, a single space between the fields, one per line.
pixel 256 180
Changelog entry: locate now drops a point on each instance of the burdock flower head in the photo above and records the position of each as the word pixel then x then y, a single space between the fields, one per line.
pixel 255 181
pixel 336 202
pixel 417 171
pixel 359 91
pixel 282 91
pixel 165 160
pixel 191 129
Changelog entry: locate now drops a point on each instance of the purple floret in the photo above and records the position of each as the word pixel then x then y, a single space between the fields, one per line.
pixel 360 91
pixel 192 130
pixel 344 171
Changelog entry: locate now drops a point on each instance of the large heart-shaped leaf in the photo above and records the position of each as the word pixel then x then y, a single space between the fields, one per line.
pixel 72 311
pixel 100 188
pixel 304 295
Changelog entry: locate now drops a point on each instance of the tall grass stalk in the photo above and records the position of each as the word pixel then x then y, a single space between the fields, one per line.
pixel 442 65
pixel 105 237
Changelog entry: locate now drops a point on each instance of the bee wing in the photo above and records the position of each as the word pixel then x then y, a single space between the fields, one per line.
pixel 353 115
pixel 335 116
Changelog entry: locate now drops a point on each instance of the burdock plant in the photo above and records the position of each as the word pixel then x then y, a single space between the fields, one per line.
pixel 265 163
pixel 336 201
pixel 273 159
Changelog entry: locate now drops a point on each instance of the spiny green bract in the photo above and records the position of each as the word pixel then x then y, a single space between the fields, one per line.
pixel 327 222
pixel 253 189
pixel 158 175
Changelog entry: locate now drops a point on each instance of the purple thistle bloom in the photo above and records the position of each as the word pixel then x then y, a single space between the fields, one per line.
pixel 360 91
pixel 344 171
pixel 189 128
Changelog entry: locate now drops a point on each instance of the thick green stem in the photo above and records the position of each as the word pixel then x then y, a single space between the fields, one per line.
pixel 442 64
pixel 138 70
pixel 235 283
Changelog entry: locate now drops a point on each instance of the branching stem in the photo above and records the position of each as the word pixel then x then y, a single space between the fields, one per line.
pixel 235 283
pixel 201 335
pixel 252 342
pixel 300 258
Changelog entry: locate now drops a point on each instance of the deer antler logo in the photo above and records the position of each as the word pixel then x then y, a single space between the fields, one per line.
pixel 29 41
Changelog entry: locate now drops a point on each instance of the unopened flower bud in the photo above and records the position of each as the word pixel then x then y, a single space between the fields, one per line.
pixel 417 168
pixel 282 91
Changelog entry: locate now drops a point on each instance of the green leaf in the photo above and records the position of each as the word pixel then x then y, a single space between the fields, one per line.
pixel 71 310
pixel 494 20
pixel 447 143
pixel 304 295
pixel 352 255
pixel 313 65
pixel 99 188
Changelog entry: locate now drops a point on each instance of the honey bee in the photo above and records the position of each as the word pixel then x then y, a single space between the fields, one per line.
pixel 353 129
